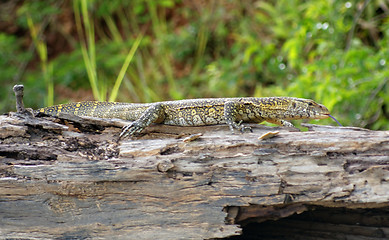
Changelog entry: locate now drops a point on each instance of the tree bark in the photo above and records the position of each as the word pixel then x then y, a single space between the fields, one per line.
pixel 69 178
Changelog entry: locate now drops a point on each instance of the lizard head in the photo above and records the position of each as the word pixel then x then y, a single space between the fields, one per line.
pixel 306 108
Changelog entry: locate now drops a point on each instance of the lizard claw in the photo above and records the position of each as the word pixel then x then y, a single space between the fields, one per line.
pixel 131 129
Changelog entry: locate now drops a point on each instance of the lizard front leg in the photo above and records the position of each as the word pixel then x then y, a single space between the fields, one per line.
pixel 230 116
pixel 152 114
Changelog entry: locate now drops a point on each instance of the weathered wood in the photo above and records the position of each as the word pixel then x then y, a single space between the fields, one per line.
pixel 76 181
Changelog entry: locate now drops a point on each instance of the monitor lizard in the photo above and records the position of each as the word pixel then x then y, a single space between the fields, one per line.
pixel 199 112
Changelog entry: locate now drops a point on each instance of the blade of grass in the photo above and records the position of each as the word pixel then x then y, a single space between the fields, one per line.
pixel 90 33
pixel 88 52
pixel 113 29
pixel 201 43
pixel 124 68
pixel 47 69
pixel 160 29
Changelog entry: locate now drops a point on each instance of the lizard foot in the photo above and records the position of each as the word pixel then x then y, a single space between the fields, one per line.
pixel 286 123
pixel 242 128
pixel 245 128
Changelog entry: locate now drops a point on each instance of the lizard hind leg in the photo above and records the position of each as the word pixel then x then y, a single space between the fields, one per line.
pixel 151 115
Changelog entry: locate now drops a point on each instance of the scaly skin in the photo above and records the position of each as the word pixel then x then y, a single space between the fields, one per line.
pixel 199 112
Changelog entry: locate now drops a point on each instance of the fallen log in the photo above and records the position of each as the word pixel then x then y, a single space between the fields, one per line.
pixel 69 178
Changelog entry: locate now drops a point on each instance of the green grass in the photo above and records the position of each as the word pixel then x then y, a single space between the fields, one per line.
pixel 141 51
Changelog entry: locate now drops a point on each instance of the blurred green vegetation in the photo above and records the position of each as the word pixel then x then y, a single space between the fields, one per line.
pixel 335 52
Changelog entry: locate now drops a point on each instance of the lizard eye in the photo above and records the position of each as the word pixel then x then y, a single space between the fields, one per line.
pixel 310 104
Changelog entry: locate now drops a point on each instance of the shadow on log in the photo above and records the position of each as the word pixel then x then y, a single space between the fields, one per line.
pixel 69 178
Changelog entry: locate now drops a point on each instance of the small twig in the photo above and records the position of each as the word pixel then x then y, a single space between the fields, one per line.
pixel 19 92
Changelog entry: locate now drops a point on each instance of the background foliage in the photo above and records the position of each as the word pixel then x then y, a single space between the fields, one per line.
pixel 335 52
